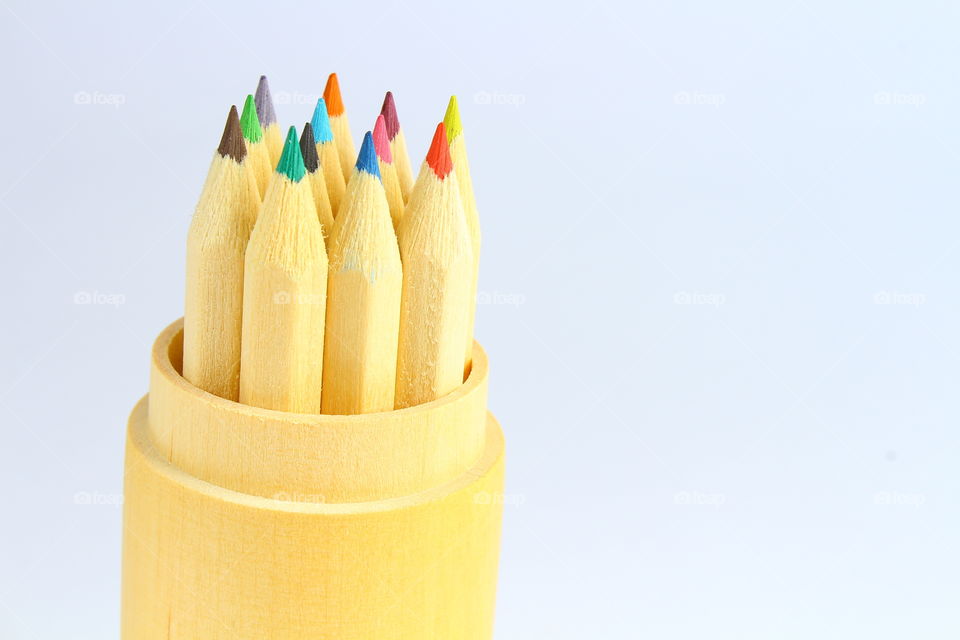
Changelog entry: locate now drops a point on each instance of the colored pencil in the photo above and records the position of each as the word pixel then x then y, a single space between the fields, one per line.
pixel 216 242
pixel 388 172
pixel 284 295
pixel 257 154
pixel 458 152
pixel 267 116
pixel 340 125
pixel 318 185
pixel 328 154
pixel 363 297
pixel 398 145
pixel 437 267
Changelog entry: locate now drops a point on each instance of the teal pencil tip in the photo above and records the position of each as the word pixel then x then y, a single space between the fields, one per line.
pixel 291 160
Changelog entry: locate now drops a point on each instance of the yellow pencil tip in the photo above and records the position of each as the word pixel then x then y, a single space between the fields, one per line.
pixel 451 121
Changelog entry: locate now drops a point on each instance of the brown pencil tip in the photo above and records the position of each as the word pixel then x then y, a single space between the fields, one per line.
pixel 231 143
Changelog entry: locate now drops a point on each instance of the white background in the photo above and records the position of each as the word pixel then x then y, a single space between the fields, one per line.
pixel 720 253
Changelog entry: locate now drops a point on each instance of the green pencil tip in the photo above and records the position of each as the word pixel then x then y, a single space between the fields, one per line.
pixel 291 161
pixel 451 120
pixel 249 122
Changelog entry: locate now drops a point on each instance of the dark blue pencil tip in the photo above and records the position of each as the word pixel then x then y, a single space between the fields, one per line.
pixel 367 159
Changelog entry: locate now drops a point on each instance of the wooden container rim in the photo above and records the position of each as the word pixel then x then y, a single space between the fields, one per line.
pixel 343 458
pixel 163 362
pixel 138 436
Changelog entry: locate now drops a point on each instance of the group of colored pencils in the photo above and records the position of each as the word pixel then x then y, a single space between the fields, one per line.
pixel 320 280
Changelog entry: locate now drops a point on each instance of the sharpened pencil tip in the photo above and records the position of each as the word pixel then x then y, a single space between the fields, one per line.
pixel 291 161
pixel 438 158
pixel 249 123
pixel 321 123
pixel 381 141
pixel 308 149
pixel 331 93
pixel 389 113
pixel 231 143
pixel 451 120
pixel 264 103
pixel 367 158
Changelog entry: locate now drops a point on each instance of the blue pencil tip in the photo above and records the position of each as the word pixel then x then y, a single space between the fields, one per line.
pixel 367 159
pixel 321 123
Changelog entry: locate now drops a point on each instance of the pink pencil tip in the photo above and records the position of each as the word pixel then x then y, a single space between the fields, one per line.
pixel 381 140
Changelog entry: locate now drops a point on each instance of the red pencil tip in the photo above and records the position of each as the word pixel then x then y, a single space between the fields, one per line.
pixel 439 155
pixel 331 95
pixel 381 142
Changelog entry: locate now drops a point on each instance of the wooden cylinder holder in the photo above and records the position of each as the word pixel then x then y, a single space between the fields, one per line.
pixel 245 523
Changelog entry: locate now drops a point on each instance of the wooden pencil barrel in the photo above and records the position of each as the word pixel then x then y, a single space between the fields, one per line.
pixel 231 530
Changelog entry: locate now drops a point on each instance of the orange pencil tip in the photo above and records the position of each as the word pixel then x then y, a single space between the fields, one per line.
pixel 331 95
